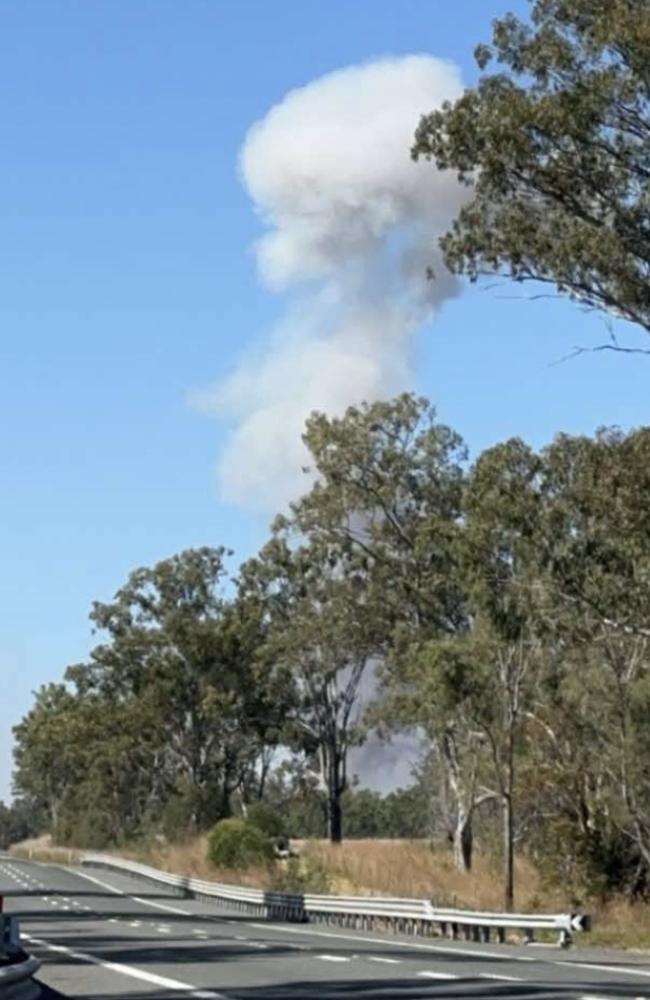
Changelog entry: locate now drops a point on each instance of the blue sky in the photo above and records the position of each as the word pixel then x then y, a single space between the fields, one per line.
pixel 127 280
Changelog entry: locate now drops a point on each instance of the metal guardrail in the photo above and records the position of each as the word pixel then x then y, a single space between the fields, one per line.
pixel 411 916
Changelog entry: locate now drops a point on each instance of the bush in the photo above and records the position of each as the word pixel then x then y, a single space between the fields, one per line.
pixel 306 874
pixel 237 843
pixel 267 819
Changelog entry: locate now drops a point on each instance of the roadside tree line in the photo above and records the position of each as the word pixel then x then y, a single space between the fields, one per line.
pixel 500 609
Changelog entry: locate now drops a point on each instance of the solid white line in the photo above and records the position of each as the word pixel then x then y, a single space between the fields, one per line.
pixel 161 906
pixel 127 895
pixel 625 970
pixel 397 943
pixel 436 975
pixel 125 970
pixel 98 881
pixel 506 979
pixel 402 944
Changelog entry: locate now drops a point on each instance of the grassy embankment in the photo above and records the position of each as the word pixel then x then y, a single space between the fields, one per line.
pixel 392 867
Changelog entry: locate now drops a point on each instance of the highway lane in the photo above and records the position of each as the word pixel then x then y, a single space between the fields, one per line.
pixel 107 935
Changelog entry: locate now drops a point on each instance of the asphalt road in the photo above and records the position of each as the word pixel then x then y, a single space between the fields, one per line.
pixel 107 936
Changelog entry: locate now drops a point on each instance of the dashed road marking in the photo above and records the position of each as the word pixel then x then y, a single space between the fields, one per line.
pixel 128 970
pixel 505 979
pixel 426 974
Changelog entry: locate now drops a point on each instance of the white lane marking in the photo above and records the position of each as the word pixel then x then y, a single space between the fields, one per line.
pixel 436 975
pixel 126 895
pixel 135 923
pixel 505 979
pixel 401 944
pixel 98 881
pixel 126 970
pixel 625 970
pixel 332 958
pixel 378 958
pixel 251 944
pixel 161 906
pixel 164 929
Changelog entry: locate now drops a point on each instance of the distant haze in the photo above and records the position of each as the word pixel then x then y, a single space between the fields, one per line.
pixel 351 225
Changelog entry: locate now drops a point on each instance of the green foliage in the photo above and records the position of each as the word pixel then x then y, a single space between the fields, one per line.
pixel 501 610
pixel 305 874
pixel 237 844
pixel 554 145
pixel 267 819
pixel 17 822
pixel 403 813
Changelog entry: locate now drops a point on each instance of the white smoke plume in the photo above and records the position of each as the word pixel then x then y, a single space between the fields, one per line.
pixel 352 224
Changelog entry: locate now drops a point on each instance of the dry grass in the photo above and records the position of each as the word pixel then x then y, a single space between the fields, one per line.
pixel 190 858
pixel 412 868
pixel 42 849
pixel 619 924
pixel 394 868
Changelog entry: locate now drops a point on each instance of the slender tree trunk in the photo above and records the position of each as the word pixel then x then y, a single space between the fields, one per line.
pixel 508 854
pixel 335 817
pixel 332 762
pixel 463 841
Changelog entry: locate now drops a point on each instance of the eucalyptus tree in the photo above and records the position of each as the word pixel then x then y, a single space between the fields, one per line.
pixel 471 691
pixel 322 635
pixel 45 760
pixel 186 654
pixel 386 499
pixel 554 144
pixel 386 504
pixel 597 527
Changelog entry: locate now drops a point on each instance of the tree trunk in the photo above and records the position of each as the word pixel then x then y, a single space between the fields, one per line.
pixel 334 817
pixel 508 855
pixel 463 841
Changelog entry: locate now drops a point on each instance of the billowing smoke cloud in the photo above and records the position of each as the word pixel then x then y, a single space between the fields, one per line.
pixel 352 225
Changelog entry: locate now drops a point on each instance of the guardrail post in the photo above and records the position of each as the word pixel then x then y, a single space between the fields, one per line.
pixel 530 935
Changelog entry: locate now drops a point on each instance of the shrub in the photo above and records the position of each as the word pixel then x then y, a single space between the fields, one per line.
pixel 237 843
pixel 304 874
pixel 267 819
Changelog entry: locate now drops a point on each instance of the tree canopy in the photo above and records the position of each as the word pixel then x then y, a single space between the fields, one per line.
pixel 554 145
pixel 500 610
